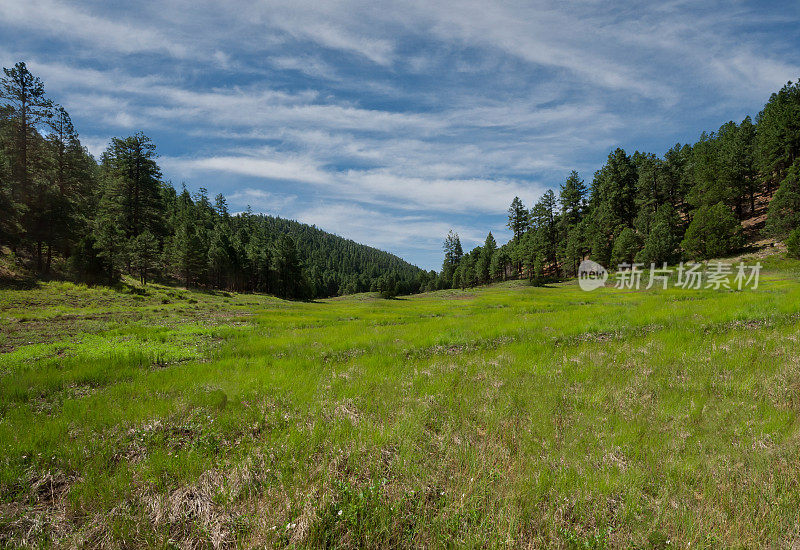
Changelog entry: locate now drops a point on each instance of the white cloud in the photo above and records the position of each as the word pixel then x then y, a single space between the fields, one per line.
pixel 381 229
pixel 96 145
pixel 267 169
pixel 261 200
pixel 67 21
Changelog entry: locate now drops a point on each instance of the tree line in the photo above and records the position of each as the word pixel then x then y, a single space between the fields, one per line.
pixel 641 208
pixel 101 219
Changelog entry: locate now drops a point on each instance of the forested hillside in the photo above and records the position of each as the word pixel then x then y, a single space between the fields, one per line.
pixel 100 219
pixel 118 216
pixel 736 185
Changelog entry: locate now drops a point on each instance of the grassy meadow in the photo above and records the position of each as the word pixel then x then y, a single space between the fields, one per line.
pixel 503 416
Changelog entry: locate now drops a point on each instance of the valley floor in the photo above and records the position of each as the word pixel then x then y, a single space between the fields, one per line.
pixel 501 416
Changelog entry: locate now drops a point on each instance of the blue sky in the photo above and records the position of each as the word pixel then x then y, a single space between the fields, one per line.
pixel 392 122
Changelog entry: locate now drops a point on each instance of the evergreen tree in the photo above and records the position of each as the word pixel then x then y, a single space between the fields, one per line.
pixel 186 254
pixel 518 221
pixel 714 232
pixel 143 255
pixel 778 134
pixel 25 95
pixel 72 182
pixel 499 264
pixel 573 250
pixel 676 177
pixel 222 256
pixel 544 222
pixel 259 261
pixel 663 238
pixel 133 182
pixel 86 260
pixel 109 239
pixel 452 257
pixel 10 228
pixel 387 285
pixel 613 203
pixel 483 266
pixel 626 246
pixel 784 210
pixel 793 244
pixel 572 198
pixel 651 182
pixel 290 280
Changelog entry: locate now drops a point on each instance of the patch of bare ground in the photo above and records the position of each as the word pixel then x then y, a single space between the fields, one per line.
pixel 457 349
pixel 40 511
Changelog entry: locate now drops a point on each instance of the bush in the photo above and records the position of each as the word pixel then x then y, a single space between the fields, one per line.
pixel 793 244
pixel 714 232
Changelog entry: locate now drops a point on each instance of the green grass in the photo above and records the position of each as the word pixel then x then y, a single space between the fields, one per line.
pixel 502 416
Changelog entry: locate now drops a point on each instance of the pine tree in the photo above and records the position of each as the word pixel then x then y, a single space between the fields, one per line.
pixel 793 244
pixel 10 228
pixel 518 221
pixel 714 232
pixel 291 281
pixel 572 198
pixel 186 254
pixel 483 267
pixel 221 256
pixel 109 239
pixel 134 184
pixel 25 94
pixel 387 285
pixel 452 257
pixel 143 255
pixel 613 203
pixel 778 134
pixel 626 247
pixel 676 178
pixel 618 180
pixel 544 221
pixel 72 181
pixel 500 261
pixel 573 250
pixel 650 184
pixel 735 166
pixel 663 238
pixel 86 261
pixel 784 210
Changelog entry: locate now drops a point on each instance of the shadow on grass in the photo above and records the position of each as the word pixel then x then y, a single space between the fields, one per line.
pixel 11 283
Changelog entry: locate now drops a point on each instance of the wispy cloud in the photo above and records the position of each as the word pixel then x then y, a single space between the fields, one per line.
pixel 260 200
pixel 66 21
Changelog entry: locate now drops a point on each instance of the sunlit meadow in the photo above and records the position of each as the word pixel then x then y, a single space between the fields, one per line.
pixel 503 416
